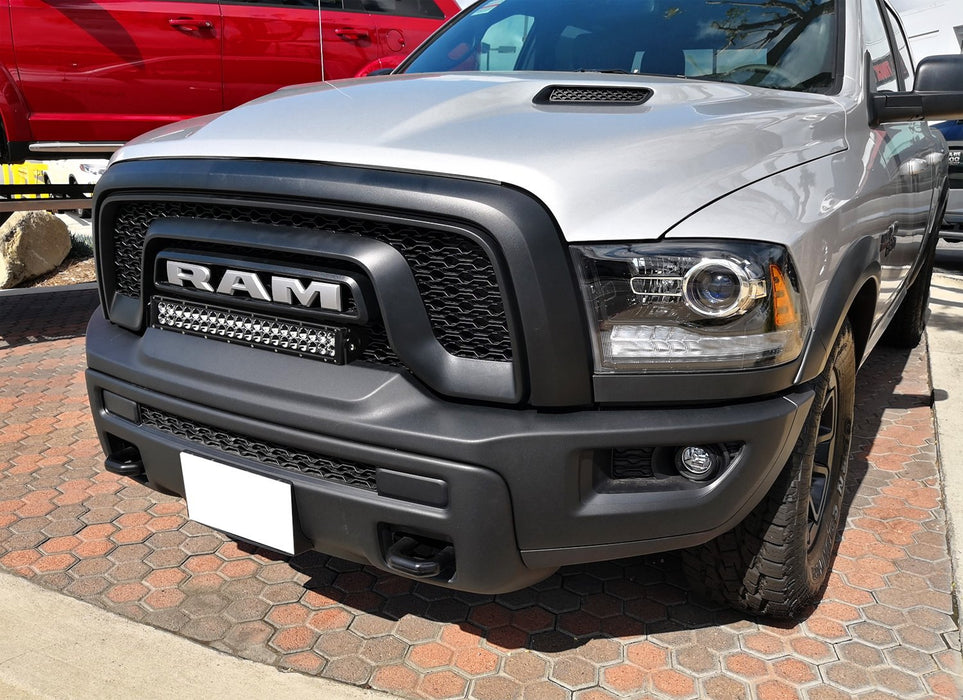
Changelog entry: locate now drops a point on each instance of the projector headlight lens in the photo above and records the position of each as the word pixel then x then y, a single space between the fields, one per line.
pixel 720 288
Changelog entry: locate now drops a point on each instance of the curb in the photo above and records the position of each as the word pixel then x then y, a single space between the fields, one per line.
pixel 82 287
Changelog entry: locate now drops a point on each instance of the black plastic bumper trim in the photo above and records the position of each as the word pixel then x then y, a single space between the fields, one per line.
pixel 118 405
pixel 526 475
pixel 411 487
pixel 345 521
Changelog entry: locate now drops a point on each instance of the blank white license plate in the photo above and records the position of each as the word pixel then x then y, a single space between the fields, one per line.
pixel 250 506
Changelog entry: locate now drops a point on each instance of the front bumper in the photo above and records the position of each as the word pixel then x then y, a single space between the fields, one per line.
pixel 517 492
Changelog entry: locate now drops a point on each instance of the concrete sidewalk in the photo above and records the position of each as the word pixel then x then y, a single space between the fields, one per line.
pixel 945 338
pixel 54 646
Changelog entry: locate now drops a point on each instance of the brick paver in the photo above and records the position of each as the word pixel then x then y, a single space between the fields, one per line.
pixel 885 627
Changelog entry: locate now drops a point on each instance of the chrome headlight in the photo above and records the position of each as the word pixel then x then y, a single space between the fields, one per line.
pixel 665 307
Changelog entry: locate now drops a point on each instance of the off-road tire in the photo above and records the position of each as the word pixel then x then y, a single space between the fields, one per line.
pixel 776 562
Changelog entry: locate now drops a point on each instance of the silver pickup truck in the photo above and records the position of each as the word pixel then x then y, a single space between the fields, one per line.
pixel 580 281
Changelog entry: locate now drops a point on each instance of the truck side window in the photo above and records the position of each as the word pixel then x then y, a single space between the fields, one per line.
pixel 883 75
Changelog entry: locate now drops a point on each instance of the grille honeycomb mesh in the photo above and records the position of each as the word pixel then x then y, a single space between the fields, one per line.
pixel 328 468
pixel 378 349
pixel 596 95
pixel 454 275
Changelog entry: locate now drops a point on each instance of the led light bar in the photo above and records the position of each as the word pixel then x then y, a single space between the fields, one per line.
pixel 254 330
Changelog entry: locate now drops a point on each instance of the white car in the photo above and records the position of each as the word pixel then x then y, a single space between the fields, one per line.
pixel 74 172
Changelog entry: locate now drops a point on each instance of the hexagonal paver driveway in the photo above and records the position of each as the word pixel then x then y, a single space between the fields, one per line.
pixel 885 627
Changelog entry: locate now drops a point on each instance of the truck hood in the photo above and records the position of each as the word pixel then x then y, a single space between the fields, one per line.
pixel 607 172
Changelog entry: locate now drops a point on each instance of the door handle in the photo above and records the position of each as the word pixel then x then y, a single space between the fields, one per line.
pixel 189 25
pixel 352 34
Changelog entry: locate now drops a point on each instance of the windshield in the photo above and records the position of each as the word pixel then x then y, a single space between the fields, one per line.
pixel 785 44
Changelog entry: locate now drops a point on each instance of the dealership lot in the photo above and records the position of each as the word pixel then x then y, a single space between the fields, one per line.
pixel 626 629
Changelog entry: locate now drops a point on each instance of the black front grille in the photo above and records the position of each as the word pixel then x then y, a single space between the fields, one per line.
pixel 377 349
pixel 454 274
pixel 329 468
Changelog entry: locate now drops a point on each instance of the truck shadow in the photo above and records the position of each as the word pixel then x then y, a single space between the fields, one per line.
pixel 610 600
pixel 44 314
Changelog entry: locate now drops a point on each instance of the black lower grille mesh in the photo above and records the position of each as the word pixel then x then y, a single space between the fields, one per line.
pixel 632 463
pixel 328 468
pixel 454 274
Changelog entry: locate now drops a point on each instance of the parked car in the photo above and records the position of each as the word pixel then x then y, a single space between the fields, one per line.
pixel 584 281
pixel 952 131
pixel 74 172
pixel 83 77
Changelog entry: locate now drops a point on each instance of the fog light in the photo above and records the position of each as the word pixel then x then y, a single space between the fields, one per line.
pixel 697 462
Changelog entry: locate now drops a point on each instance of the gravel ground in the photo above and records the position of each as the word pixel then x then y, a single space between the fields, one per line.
pixel 71 271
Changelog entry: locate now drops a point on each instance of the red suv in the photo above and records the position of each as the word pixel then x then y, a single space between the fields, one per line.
pixel 81 77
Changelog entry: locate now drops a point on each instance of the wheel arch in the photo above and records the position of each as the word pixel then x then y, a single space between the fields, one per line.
pixel 852 294
pixel 861 312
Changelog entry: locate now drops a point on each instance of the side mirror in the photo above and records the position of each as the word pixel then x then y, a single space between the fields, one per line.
pixel 938 94
pixel 940 74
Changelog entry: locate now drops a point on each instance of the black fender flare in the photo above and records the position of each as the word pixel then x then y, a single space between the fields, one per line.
pixel 859 266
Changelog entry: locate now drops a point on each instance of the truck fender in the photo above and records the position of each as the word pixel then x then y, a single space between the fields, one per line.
pixel 859 266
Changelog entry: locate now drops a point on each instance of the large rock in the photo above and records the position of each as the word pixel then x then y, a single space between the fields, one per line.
pixel 31 243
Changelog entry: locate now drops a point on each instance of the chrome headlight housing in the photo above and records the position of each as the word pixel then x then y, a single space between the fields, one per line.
pixel 694 305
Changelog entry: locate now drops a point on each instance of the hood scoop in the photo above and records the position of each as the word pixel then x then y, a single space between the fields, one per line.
pixel 585 95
